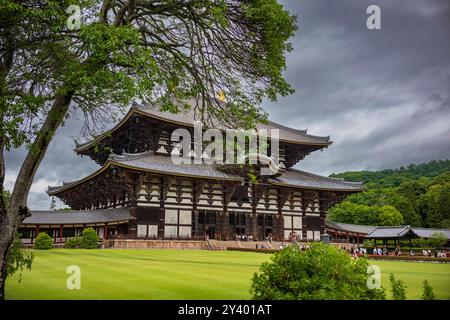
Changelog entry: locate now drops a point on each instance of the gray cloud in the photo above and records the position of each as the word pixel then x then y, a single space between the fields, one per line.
pixel 382 95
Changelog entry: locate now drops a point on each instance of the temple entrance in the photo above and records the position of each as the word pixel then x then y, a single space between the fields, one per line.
pixel 210 232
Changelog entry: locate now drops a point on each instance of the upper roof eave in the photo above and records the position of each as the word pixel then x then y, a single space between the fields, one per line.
pixel 323 142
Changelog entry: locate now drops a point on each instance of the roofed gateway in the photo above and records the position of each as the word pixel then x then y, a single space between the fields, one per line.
pixel 138 192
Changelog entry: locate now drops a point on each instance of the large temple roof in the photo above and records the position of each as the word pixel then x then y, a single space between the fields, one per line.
pixel 150 162
pixel 78 217
pixel 187 118
pixel 159 164
pixel 302 179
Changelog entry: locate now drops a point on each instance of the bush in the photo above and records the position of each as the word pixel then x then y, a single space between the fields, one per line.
pixel 398 288
pixel 73 243
pixel 89 238
pixel 43 241
pixel 321 272
pixel 428 293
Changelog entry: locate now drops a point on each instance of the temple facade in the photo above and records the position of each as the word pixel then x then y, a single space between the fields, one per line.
pixel 139 192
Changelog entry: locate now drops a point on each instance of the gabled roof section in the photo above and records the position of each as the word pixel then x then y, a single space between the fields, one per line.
pixel 187 118
pixel 78 216
pixel 301 179
pixel 392 232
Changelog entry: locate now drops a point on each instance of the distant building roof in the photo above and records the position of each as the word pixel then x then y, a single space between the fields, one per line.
pixel 78 217
pixel 428 233
pixel 392 232
pixel 347 227
pixel 386 232
pixel 302 179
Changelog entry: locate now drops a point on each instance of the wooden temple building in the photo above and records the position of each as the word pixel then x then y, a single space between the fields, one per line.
pixel 138 192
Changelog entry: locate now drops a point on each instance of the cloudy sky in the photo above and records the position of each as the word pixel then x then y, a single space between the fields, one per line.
pixel 383 95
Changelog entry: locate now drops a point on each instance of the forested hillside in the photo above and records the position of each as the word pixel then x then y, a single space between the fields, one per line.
pixel 418 195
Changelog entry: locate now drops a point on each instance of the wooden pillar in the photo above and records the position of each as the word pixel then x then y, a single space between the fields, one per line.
pixel 60 232
pixel 225 226
pixel 163 192
pixel 196 223
pixel 105 232
pixel 254 227
pixel 248 223
pixel 219 217
pixel 54 234
pixel 304 222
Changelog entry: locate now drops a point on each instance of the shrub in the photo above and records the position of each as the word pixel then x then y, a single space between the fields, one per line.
pixel 438 240
pixel 398 288
pixel 73 243
pixel 428 293
pixel 43 241
pixel 321 272
pixel 89 238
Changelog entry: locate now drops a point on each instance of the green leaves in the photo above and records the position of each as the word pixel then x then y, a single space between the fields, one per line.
pixel 319 273
pixel 428 293
pixel 398 288
pixel 423 201
pixel 17 258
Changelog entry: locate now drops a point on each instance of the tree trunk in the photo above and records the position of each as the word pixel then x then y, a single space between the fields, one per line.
pixel 17 210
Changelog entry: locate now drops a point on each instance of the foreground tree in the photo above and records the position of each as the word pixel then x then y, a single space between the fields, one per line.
pixel 106 53
pixel 18 259
pixel 319 273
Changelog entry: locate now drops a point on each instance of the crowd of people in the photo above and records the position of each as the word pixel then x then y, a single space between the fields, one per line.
pixel 435 253
pixel 243 237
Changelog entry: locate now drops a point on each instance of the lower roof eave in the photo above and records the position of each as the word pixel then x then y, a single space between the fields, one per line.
pixel 315 188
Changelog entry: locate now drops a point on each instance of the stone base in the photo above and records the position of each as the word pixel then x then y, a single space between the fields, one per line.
pixel 157 244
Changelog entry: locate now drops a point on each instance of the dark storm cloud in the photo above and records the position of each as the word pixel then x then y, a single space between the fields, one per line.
pixel 382 95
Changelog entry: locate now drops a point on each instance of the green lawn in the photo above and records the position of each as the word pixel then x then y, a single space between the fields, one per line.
pixel 177 274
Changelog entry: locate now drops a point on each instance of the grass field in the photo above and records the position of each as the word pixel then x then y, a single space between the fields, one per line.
pixel 177 274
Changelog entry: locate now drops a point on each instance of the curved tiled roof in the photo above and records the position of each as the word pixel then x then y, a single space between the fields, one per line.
pixel 385 231
pixel 150 162
pixel 160 164
pixel 302 179
pixel 428 233
pixel 347 227
pixel 78 217
pixel 187 118
pixel 164 165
